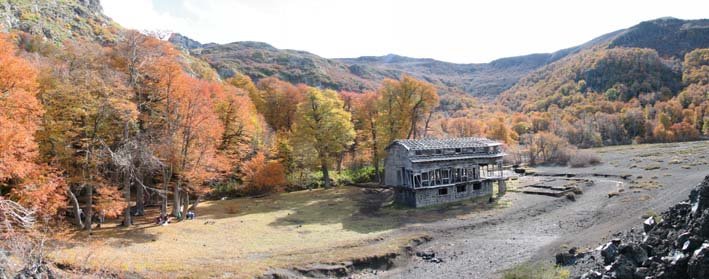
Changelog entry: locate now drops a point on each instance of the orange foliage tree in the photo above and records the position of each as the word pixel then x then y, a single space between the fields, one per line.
pixel 263 176
pixel 36 186
pixel 20 114
pixel 278 101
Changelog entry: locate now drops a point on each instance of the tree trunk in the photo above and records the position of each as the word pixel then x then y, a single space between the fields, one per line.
pixel 425 127
pixel 89 208
pixel 377 175
pixel 166 181
pixel 325 175
pixel 77 210
pixel 176 200
pixel 340 159
pixel 375 152
pixel 140 199
pixel 193 207
pixel 127 218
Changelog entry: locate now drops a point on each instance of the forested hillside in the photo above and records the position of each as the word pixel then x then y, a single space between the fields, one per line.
pixel 672 38
pixel 92 126
pixel 99 119
pixel 633 89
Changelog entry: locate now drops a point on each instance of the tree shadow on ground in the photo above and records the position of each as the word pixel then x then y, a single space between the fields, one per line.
pixel 360 210
pixel 123 236
pixel 372 210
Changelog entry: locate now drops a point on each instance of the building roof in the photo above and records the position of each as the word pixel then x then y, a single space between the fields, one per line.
pixel 431 144
pixel 454 157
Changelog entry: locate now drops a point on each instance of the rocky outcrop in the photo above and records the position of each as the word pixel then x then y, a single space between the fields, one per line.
pixel 676 245
pixel 58 20
pixel 184 42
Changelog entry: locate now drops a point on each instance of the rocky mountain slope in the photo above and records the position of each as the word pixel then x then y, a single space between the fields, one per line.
pixel 259 60
pixel 670 37
pixel 58 20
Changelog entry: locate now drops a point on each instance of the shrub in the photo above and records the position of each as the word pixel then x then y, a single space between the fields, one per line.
pixel 337 178
pixel 261 176
pixel 583 158
pixel 548 148
pixel 361 175
pixel 224 188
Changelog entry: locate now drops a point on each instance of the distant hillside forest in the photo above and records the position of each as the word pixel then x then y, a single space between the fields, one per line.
pixel 98 119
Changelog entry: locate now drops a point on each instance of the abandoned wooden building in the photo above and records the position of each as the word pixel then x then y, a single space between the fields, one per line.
pixel 433 171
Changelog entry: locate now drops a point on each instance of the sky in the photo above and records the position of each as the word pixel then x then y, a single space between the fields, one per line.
pixel 450 30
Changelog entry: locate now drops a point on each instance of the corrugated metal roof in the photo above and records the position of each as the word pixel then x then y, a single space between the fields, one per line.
pixel 422 159
pixel 431 144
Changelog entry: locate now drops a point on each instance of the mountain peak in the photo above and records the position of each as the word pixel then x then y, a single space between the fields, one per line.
pixel 671 37
pixel 184 42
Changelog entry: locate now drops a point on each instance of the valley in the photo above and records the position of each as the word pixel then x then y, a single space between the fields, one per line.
pixel 298 231
pixel 135 152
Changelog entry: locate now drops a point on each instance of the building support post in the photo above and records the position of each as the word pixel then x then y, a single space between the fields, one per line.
pixel 501 187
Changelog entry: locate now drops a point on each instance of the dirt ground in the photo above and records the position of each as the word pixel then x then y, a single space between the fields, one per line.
pixel 473 239
pixel 535 227
pixel 247 237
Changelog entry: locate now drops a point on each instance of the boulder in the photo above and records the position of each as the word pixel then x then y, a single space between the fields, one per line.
pixel 693 243
pixel 592 275
pixel 642 272
pixel 702 195
pixel 702 224
pixel 634 253
pixel 565 258
pixel 609 252
pixel 681 239
pixel 649 224
pixel 623 268
pixel 698 266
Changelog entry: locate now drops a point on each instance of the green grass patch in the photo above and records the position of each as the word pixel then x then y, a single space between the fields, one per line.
pixel 537 271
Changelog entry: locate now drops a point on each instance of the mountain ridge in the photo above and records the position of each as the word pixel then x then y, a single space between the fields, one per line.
pixel 483 80
pixel 75 19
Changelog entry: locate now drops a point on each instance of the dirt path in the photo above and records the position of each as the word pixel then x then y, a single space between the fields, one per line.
pixel 534 228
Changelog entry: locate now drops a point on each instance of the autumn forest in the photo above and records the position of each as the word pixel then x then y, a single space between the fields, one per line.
pixel 136 120
pixel 103 129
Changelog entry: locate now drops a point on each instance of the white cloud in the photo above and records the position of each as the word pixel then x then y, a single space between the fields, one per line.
pixel 451 30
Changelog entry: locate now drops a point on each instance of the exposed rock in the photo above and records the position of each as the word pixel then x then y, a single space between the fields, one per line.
pixel 59 20
pixel 429 256
pixel 609 252
pixel 184 42
pixel 649 224
pixel 676 247
pixel 592 275
pixel 622 268
pixel 633 252
pixel 565 258
pixel 698 266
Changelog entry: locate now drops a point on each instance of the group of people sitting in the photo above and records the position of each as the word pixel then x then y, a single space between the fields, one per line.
pixel 164 219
